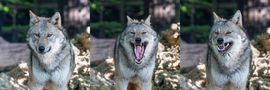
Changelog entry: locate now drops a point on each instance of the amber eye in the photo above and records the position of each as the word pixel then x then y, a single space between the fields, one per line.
pixel 143 32
pixel 36 34
pixel 216 33
pixel 49 35
pixel 228 32
pixel 132 32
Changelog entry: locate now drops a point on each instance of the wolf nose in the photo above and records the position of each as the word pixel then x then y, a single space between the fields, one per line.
pixel 41 48
pixel 220 40
pixel 138 40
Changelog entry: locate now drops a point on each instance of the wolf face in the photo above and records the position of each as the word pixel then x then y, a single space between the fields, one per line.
pixel 227 36
pixel 139 40
pixel 45 36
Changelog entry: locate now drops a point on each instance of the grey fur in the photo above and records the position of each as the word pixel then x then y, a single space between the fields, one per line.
pixel 127 70
pixel 55 65
pixel 229 69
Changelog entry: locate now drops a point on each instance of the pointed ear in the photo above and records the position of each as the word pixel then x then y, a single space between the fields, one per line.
pixel 33 18
pixel 147 20
pixel 237 18
pixel 56 20
pixel 129 20
pixel 216 17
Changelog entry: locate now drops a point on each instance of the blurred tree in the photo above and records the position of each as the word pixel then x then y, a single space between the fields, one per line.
pixel 76 15
pixel 164 12
pixel 256 15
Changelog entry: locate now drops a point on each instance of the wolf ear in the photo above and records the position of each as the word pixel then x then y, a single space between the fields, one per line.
pixel 237 18
pixel 33 18
pixel 147 20
pixel 129 20
pixel 216 17
pixel 56 20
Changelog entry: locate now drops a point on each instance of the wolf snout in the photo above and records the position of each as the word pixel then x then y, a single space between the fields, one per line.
pixel 220 40
pixel 41 49
pixel 138 40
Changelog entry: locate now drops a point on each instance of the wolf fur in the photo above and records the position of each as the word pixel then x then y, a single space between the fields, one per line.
pixel 229 54
pixel 134 55
pixel 52 56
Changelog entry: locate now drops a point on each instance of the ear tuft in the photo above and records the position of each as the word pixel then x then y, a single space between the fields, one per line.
pixel 147 20
pixel 56 20
pixel 216 17
pixel 237 18
pixel 33 18
pixel 129 20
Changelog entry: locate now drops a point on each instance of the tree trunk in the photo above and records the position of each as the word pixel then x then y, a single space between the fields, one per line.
pixel 164 12
pixel 76 15
pixel 256 15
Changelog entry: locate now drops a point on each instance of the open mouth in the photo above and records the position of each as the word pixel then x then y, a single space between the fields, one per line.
pixel 138 50
pixel 224 46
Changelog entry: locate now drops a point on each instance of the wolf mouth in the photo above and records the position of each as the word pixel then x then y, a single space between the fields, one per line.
pixel 138 50
pixel 224 46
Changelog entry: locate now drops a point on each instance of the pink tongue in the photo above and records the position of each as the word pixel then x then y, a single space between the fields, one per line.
pixel 139 52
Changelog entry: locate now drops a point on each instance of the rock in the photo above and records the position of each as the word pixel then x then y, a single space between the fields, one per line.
pixel 101 49
pixel 12 54
pixel 192 55
pixel 260 74
pixel 4 82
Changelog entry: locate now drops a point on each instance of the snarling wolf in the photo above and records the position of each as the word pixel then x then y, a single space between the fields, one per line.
pixel 135 54
pixel 52 56
pixel 229 54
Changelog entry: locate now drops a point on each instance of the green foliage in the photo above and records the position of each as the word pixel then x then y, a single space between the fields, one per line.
pixel 5 6
pixel 198 33
pixel 21 31
pixel 186 5
pixel 109 29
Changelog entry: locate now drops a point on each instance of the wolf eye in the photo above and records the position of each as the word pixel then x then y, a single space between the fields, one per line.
pixel 143 32
pixel 36 34
pixel 228 32
pixel 49 35
pixel 132 32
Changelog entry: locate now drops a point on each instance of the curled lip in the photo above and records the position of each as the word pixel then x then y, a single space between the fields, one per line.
pixel 138 51
pixel 224 46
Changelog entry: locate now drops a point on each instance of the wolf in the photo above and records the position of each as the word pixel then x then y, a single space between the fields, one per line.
pixel 229 54
pixel 134 55
pixel 52 56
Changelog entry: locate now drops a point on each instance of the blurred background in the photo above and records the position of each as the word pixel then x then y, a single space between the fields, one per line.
pixel 102 20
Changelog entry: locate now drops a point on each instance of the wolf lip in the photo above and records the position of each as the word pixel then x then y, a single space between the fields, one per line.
pixel 138 50
pixel 224 46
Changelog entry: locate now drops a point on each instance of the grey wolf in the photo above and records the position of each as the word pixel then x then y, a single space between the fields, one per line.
pixel 52 56
pixel 229 54
pixel 134 55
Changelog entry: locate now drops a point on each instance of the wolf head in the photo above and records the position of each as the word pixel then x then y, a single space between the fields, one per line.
pixel 139 40
pixel 45 34
pixel 227 36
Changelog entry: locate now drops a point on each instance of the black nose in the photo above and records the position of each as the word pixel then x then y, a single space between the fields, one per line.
pixel 138 40
pixel 41 48
pixel 220 40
